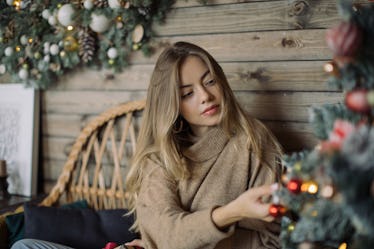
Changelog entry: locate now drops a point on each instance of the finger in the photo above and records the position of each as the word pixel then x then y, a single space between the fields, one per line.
pixel 135 242
pixel 268 218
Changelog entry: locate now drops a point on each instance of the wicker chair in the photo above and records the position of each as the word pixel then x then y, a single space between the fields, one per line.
pixel 96 167
pixel 97 164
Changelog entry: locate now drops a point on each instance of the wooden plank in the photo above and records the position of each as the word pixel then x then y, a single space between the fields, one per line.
pixel 62 125
pixel 57 148
pixel 251 46
pixel 293 136
pixel 192 3
pixel 85 102
pixel 250 16
pixel 246 76
pixel 70 126
pixel 285 106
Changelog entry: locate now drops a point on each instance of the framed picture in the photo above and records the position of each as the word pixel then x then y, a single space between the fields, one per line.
pixel 19 133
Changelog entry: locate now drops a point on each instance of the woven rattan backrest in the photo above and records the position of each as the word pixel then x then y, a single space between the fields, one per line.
pixel 97 164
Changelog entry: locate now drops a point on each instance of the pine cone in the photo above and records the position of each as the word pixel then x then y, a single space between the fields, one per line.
pixel 87 44
pixel 101 3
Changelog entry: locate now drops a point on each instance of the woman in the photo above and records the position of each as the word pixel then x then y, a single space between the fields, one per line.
pixel 202 167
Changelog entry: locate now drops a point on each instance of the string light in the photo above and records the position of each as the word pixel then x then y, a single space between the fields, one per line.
pixel 343 246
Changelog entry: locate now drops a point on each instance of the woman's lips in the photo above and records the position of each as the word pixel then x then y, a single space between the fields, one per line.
pixel 210 110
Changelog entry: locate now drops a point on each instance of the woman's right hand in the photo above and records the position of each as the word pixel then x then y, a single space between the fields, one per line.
pixel 248 205
pixel 137 243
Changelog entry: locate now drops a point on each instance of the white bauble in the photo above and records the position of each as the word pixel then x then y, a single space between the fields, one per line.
pixel 8 51
pixel 46 46
pixel 54 49
pixel 9 2
pixel 52 20
pixel 88 4
pixel 23 40
pixel 23 74
pixel 114 4
pixel 2 69
pixel 99 23
pixel 24 4
pixel 46 58
pixel 65 14
pixel 46 14
pixel 112 53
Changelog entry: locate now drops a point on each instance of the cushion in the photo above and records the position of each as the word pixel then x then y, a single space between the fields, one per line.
pixel 78 228
pixel 16 225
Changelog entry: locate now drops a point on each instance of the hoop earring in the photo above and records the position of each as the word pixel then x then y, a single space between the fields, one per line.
pixel 178 125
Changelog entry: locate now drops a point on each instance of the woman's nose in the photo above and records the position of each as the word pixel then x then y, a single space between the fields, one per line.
pixel 205 95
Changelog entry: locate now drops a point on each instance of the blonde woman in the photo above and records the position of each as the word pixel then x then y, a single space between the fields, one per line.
pixel 202 166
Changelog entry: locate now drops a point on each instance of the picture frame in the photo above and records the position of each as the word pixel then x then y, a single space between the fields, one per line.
pixel 19 137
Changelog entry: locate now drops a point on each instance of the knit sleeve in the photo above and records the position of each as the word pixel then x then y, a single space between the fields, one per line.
pixel 164 224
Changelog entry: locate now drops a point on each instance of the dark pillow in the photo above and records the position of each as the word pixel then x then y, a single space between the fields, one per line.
pixel 16 223
pixel 78 228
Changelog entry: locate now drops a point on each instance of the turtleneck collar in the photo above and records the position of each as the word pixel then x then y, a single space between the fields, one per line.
pixel 208 146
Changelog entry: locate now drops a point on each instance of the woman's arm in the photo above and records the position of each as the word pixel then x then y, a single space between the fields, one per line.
pixel 247 205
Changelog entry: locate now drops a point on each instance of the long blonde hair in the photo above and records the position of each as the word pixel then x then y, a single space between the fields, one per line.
pixel 157 136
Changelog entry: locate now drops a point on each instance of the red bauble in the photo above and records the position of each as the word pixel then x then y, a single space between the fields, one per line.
pixel 344 39
pixel 356 100
pixel 294 185
pixel 277 210
pixel 110 245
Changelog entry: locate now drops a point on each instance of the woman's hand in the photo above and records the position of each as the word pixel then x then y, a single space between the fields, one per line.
pixel 247 205
pixel 137 243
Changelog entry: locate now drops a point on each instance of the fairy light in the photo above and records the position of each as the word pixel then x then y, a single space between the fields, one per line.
pixel 70 28
pixel 343 246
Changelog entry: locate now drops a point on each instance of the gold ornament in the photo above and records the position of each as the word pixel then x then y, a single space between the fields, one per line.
pixel 297 166
pixel 343 246
pixel 37 55
pixel 331 68
pixel 18 48
pixel 30 40
pixel 110 62
pixel 17 4
pixel 291 227
pixel 70 44
pixel 309 186
pixel 62 54
pixel 136 46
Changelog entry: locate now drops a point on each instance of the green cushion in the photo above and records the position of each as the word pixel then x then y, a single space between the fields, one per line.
pixel 16 222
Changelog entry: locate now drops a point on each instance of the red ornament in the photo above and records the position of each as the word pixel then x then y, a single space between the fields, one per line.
pixel 277 210
pixel 294 185
pixel 357 101
pixel 344 39
pixel 110 245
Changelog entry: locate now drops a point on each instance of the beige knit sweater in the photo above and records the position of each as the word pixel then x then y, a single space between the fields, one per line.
pixel 177 215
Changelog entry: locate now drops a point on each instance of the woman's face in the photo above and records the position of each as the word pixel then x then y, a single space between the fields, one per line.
pixel 201 96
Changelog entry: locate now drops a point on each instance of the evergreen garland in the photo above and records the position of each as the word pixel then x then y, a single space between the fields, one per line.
pixel 41 40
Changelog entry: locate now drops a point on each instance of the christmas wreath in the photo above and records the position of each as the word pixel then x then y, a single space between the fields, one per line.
pixel 40 40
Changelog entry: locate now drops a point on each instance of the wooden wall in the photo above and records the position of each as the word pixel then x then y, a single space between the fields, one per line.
pixel 272 51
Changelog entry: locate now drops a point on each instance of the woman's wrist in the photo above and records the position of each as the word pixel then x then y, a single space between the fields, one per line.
pixel 225 216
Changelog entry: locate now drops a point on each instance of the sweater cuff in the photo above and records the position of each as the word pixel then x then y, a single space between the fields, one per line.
pixel 208 225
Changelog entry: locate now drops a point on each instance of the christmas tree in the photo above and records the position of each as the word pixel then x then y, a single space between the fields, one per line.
pixel 327 194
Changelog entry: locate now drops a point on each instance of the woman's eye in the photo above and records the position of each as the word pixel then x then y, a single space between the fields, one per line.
pixel 186 95
pixel 210 82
